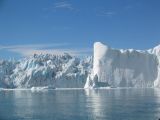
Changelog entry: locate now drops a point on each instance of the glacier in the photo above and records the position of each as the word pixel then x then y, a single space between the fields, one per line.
pixel 124 68
pixel 45 71
pixel 6 69
pixel 108 67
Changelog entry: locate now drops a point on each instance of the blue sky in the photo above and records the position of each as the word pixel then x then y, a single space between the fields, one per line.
pixel 56 26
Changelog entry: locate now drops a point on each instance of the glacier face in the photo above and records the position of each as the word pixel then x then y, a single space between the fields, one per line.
pixel 6 69
pixel 125 68
pixel 62 71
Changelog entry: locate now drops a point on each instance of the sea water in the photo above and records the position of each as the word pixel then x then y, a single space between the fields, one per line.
pixel 80 104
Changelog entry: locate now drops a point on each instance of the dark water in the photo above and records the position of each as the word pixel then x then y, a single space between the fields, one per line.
pixel 109 104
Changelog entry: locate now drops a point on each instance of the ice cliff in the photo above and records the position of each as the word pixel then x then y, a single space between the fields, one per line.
pixel 63 71
pixel 6 69
pixel 124 68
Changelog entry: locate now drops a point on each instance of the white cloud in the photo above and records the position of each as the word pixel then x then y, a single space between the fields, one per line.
pixel 106 13
pixel 57 6
pixel 28 50
pixel 63 5
pixel 36 46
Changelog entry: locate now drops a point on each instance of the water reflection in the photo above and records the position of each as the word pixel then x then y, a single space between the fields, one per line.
pixel 49 105
pixel 129 104
pixel 111 104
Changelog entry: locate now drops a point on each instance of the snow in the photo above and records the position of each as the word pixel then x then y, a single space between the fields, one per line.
pixel 124 68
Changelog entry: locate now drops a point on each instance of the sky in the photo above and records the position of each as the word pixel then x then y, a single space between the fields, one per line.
pixel 57 26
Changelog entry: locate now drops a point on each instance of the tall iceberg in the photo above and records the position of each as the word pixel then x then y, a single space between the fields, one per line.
pixel 156 51
pixel 124 68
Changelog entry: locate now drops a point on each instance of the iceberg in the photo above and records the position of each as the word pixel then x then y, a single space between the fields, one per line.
pixel 124 68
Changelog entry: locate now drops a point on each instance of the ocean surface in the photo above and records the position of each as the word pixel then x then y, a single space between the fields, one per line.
pixel 80 104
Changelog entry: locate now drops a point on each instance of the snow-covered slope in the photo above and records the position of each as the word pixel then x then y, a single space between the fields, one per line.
pixel 46 70
pixel 124 68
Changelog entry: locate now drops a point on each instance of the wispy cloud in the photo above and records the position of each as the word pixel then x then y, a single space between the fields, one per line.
pixel 31 46
pixel 128 7
pixel 106 13
pixel 54 49
pixel 63 5
pixel 29 52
